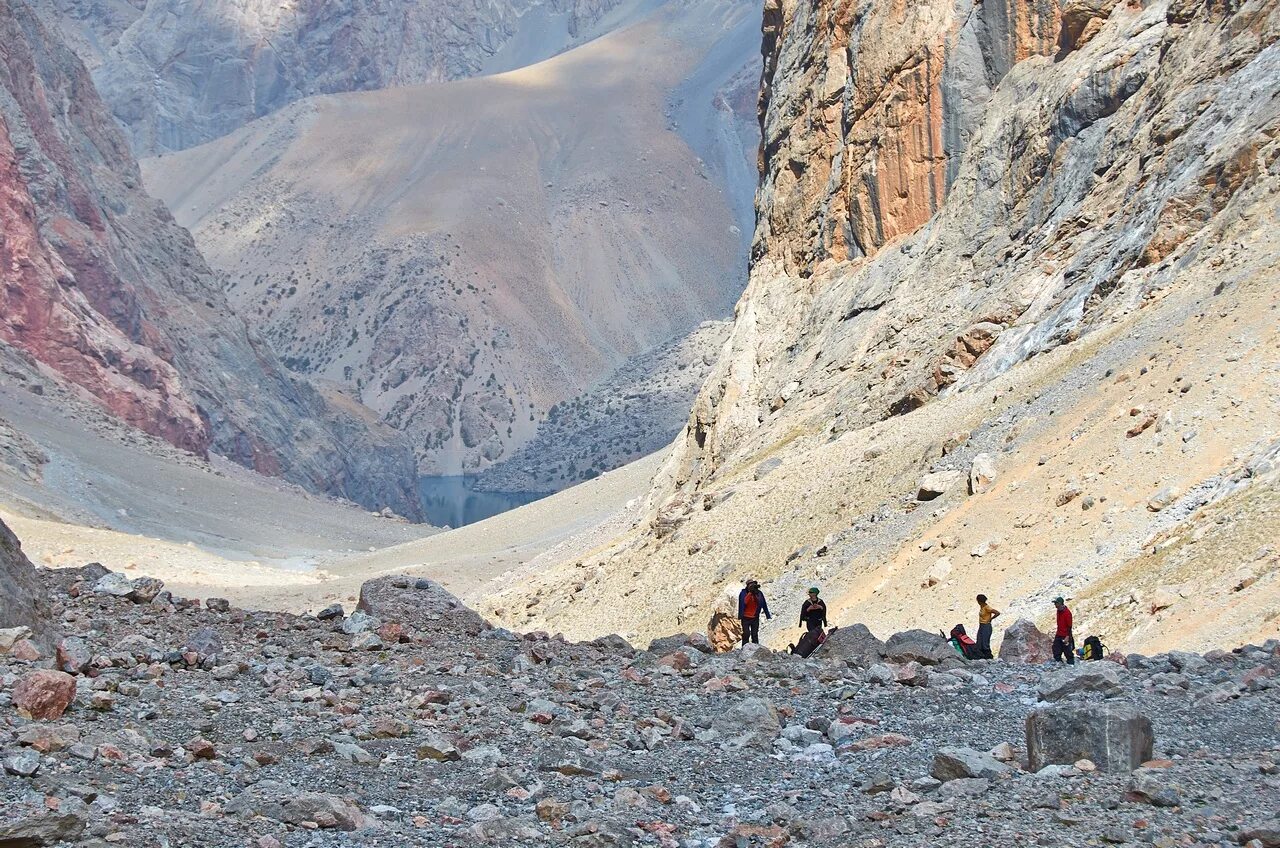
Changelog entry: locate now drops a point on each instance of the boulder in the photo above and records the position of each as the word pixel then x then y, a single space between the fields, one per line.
pixel 1101 678
pixel 1267 833
pixel 938 483
pixel 982 473
pixel 73 655
pixel 724 631
pixel 52 828
pixel 10 636
pixel 855 643
pixel 23 602
pixel 360 622
pixel 204 643
pixel 44 694
pixel 918 646
pixel 749 723
pixel 114 584
pixel 1152 786
pixel 966 763
pixel 145 590
pixel 421 605
pixel 330 612
pixel 938 572
pixel 1025 643
pixel 274 800
pixel 1117 738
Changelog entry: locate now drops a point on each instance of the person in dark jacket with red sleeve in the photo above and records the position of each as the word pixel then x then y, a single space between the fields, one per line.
pixel 751 605
pixel 813 612
pixel 1064 643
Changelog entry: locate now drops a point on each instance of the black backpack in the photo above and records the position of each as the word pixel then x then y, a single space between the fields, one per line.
pixel 1094 649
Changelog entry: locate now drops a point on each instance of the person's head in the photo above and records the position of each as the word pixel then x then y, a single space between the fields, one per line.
pixel 753 585
pixel 813 593
pixel 982 599
pixel 1059 602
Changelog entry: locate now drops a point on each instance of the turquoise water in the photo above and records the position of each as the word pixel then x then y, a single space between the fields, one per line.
pixel 451 502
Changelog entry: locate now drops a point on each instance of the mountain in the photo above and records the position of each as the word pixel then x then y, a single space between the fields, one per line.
pixel 177 74
pixel 628 415
pixel 465 256
pixel 1010 328
pixel 102 288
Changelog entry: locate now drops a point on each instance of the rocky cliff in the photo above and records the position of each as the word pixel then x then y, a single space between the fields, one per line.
pixel 177 74
pixel 23 598
pixel 101 287
pixel 1009 328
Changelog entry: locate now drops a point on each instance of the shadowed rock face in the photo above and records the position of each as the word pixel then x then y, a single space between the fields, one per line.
pixel 178 74
pixel 22 597
pixel 101 286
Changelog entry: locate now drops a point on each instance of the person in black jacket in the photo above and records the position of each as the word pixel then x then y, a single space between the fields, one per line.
pixel 751 605
pixel 813 612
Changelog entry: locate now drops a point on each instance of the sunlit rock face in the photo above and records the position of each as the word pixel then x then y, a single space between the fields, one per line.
pixel 177 74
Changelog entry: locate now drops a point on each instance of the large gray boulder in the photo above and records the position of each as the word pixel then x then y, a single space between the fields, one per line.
pixel 23 602
pixel 749 723
pixel 1117 738
pixel 418 603
pixel 918 646
pixel 854 643
pixel 1100 678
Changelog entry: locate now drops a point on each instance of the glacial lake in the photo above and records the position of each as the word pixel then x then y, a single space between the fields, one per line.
pixel 451 501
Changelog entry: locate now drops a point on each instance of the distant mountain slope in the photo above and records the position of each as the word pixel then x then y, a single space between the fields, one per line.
pixel 177 74
pixel 100 286
pixel 465 256
pixel 634 412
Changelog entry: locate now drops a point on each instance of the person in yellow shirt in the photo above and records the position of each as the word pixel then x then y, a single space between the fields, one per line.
pixel 986 615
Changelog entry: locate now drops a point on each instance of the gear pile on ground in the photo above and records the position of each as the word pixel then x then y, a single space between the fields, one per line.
pixel 410 721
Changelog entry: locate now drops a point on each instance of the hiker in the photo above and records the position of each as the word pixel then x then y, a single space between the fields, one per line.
pixel 813 611
pixel 751 604
pixel 1063 642
pixel 986 615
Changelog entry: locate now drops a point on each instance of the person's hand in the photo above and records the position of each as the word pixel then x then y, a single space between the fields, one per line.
pixel 768 617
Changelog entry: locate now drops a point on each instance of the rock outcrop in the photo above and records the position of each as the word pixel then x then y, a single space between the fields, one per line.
pixel 22 598
pixel 102 288
pixel 176 75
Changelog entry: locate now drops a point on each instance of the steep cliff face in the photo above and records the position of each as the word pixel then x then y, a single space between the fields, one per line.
pixel 465 256
pixel 23 602
pixel 102 287
pixel 1018 236
pixel 177 74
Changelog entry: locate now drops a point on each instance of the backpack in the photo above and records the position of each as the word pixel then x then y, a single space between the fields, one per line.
pixel 1093 649
pixel 809 642
pixel 965 646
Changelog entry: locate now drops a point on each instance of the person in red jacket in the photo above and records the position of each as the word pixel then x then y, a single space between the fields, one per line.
pixel 1064 643
pixel 751 604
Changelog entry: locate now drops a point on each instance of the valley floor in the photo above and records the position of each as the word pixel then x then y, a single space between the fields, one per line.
pixel 91 490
